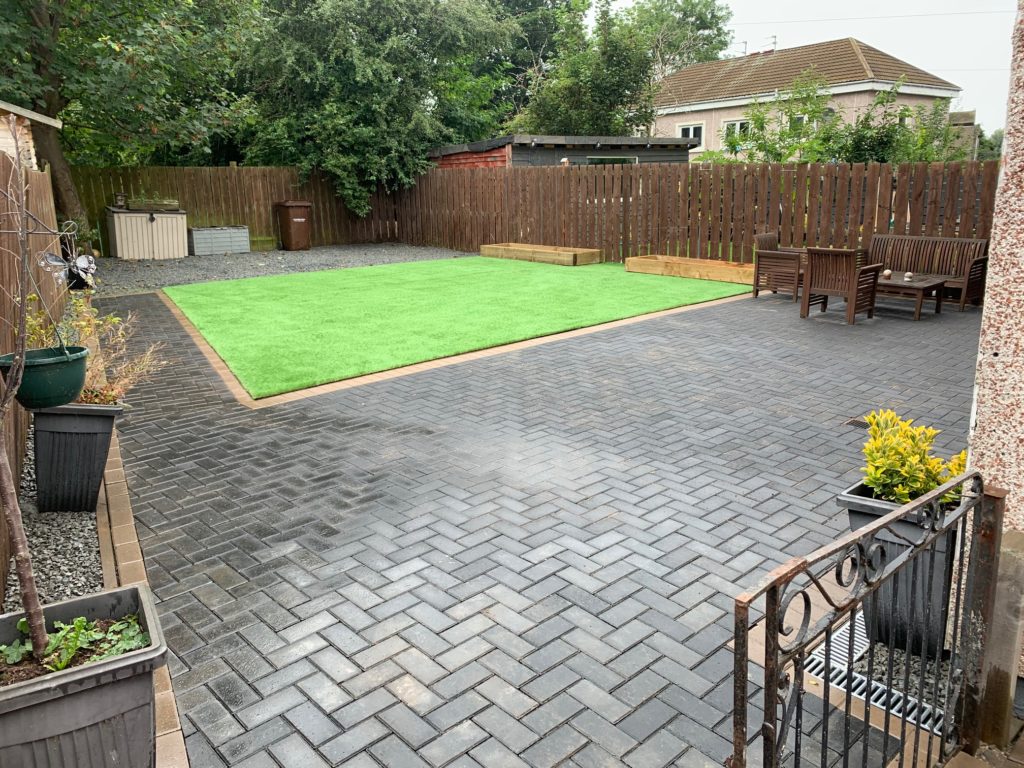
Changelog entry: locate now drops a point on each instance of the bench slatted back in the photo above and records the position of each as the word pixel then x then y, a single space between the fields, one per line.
pixel 928 255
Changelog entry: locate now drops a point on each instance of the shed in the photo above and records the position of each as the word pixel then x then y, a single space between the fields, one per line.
pixel 23 120
pixel 527 149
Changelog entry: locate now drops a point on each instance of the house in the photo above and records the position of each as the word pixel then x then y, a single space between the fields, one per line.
pixel 525 149
pixel 23 120
pixel 705 100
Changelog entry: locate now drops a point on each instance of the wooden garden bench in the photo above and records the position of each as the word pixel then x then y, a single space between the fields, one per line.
pixel 960 260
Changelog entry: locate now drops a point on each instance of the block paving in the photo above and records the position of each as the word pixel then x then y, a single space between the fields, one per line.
pixel 522 560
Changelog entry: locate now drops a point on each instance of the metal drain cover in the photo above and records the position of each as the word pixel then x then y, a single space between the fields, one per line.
pixel 877 693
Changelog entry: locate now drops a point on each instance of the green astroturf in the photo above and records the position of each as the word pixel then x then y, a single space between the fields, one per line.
pixel 288 332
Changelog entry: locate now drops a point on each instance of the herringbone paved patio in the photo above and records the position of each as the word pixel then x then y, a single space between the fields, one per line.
pixel 526 559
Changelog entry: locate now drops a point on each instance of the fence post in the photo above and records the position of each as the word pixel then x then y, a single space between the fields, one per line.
pixel 982 578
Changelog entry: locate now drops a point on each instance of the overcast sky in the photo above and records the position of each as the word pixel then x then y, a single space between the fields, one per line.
pixel 965 43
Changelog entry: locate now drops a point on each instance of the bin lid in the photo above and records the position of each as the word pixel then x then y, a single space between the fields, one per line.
pixel 294 203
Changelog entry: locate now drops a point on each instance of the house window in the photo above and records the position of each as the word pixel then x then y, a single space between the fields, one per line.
pixel 796 122
pixel 742 127
pixel 612 160
pixel 694 131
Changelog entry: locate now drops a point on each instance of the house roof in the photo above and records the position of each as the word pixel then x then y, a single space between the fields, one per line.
pixel 28 114
pixel 530 140
pixel 838 62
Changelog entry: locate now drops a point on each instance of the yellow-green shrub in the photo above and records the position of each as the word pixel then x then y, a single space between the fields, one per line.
pixel 900 466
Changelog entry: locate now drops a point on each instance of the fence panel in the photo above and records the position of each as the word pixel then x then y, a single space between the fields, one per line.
pixel 698 210
pixel 52 295
pixel 238 196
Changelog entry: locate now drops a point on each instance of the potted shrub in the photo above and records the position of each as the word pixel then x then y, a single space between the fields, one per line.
pixel 72 441
pixel 76 681
pixel 899 468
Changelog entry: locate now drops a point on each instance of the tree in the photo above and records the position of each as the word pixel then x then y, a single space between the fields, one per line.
pixel 599 85
pixel 681 32
pixel 800 124
pixel 135 74
pixel 361 89
pixel 534 43
pixel 990 147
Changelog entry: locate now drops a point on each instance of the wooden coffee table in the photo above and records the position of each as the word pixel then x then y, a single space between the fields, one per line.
pixel 916 288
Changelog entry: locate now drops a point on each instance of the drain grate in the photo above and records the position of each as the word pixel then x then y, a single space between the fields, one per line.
pixel 878 694
pixel 856 421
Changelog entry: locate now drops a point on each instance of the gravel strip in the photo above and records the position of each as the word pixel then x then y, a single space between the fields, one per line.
pixel 64 546
pixel 117 277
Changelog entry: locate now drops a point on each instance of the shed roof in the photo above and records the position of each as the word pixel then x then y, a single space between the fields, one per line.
pixel 531 140
pixel 28 114
pixel 838 62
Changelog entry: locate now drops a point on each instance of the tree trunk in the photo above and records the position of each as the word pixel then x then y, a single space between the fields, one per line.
pixel 48 148
pixel 22 559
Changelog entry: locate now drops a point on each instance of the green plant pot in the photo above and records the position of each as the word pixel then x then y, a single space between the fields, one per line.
pixel 52 377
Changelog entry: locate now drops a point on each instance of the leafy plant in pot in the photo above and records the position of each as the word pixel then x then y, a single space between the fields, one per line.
pixel 72 441
pixel 900 467
pixel 76 679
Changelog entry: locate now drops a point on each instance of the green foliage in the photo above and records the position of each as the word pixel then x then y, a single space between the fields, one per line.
pixel 599 85
pixel 681 32
pixel 800 124
pixel 361 89
pixel 20 649
pixel 990 147
pixel 797 125
pixel 67 641
pixel 125 77
pixel 534 43
pixel 900 466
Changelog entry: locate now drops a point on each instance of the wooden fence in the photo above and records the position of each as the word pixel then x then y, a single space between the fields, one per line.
pixel 40 203
pixel 701 211
pixel 237 196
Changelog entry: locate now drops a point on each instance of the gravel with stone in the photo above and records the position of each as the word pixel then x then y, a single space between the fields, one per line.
pixel 64 546
pixel 117 277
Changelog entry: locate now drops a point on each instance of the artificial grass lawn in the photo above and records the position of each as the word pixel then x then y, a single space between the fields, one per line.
pixel 287 332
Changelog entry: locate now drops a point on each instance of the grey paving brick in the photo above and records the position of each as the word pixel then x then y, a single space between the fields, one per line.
pixel 453 743
pixel 364 707
pixel 453 529
pixel 353 740
pixel 314 726
pixel 414 694
pixel 294 752
pixel 659 750
pixel 411 727
pixel 507 729
pixel 392 753
pixel 555 747
pixel 603 733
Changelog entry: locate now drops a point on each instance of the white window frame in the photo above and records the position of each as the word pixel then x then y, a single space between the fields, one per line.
pixel 703 133
pixel 727 123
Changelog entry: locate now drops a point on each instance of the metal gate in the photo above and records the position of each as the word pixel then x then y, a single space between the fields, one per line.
pixel 867 652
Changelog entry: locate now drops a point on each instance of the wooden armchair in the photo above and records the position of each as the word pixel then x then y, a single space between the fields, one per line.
pixel 769 241
pixel 834 272
pixel 777 271
pixel 971 287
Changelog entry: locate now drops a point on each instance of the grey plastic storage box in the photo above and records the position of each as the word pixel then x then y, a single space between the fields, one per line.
pixel 92 716
pixel 214 241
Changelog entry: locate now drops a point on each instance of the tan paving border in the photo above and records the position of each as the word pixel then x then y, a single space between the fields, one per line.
pixel 121 560
pixel 243 397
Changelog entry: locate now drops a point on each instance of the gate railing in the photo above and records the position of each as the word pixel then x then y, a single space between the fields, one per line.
pixel 867 652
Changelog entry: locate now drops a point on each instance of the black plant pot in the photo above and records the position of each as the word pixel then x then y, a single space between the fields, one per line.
pixel 908 607
pixel 72 443
pixel 91 716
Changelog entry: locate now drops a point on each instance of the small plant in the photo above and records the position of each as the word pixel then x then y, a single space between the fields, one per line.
pixel 900 465
pixel 80 642
pixel 114 370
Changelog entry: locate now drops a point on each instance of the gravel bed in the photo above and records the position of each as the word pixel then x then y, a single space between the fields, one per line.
pixel 121 278
pixel 64 546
